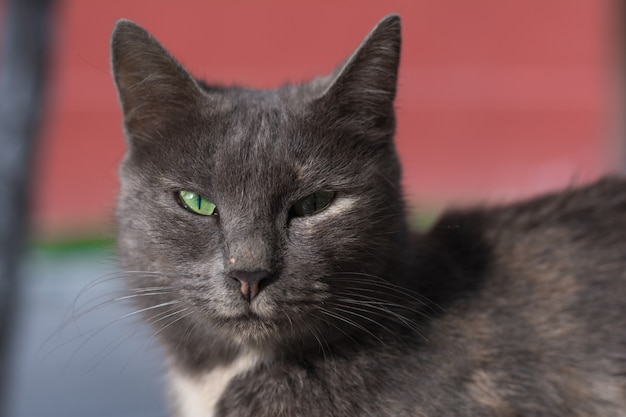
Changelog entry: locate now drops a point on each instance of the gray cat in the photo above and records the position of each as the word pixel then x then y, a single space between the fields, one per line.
pixel 264 233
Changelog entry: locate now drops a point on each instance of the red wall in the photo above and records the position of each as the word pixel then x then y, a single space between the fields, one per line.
pixel 497 99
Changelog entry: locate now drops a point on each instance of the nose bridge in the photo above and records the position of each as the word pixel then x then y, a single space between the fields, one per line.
pixel 250 246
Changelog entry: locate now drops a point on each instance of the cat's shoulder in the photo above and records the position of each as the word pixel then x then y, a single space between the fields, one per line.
pixel 596 206
pixel 603 200
pixel 580 222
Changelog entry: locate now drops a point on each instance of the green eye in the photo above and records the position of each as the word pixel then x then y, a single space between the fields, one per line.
pixel 195 203
pixel 313 203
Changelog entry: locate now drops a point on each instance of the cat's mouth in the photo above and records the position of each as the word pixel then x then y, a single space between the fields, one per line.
pixel 246 315
pixel 251 328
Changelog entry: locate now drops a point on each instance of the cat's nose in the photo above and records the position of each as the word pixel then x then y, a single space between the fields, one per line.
pixel 250 281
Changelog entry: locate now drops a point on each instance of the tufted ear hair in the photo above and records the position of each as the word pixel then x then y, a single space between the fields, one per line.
pixel 364 87
pixel 154 88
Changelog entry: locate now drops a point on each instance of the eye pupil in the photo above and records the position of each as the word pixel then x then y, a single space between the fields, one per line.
pixel 312 204
pixel 196 203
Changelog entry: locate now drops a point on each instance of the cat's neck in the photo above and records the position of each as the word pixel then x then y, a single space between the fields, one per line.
pixel 449 262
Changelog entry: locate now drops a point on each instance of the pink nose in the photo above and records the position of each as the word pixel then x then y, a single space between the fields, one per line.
pixel 250 282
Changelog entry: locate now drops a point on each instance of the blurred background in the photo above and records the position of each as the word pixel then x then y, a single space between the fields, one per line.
pixel 497 101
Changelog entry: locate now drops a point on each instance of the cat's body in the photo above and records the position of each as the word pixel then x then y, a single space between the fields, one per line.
pixel 277 304
pixel 534 327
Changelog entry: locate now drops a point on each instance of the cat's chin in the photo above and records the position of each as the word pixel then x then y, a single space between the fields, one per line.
pixel 261 330
pixel 252 330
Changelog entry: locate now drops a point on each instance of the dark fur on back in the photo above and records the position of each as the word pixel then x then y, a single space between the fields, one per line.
pixel 505 311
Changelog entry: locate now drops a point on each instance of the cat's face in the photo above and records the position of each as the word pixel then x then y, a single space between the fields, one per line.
pixel 253 214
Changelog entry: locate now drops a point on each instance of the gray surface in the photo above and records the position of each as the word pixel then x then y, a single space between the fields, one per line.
pixel 25 33
pixel 75 354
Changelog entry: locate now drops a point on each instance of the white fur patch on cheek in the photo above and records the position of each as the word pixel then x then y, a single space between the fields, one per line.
pixel 197 395
pixel 339 207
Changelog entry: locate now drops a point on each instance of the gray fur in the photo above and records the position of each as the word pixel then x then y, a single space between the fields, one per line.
pixel 505 311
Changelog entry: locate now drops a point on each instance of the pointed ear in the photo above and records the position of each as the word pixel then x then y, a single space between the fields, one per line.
pixel 154 89
pixel 365 86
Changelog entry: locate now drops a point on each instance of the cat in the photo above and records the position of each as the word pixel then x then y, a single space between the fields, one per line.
pixel 266 237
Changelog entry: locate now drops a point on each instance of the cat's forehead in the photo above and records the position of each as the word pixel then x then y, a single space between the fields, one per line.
pixel 251 127
pixel 279 137
pixel 265 124
pixel 257 139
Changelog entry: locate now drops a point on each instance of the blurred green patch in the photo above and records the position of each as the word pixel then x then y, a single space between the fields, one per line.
pixel 424 219
pixel 73 243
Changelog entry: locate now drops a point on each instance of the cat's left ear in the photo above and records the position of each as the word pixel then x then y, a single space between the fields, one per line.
pixel 364 88
pixel 154 89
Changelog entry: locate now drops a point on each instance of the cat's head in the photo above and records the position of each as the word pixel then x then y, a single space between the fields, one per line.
pixel 252 215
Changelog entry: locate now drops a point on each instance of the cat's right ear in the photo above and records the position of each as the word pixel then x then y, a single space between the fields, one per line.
pixel 154 89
